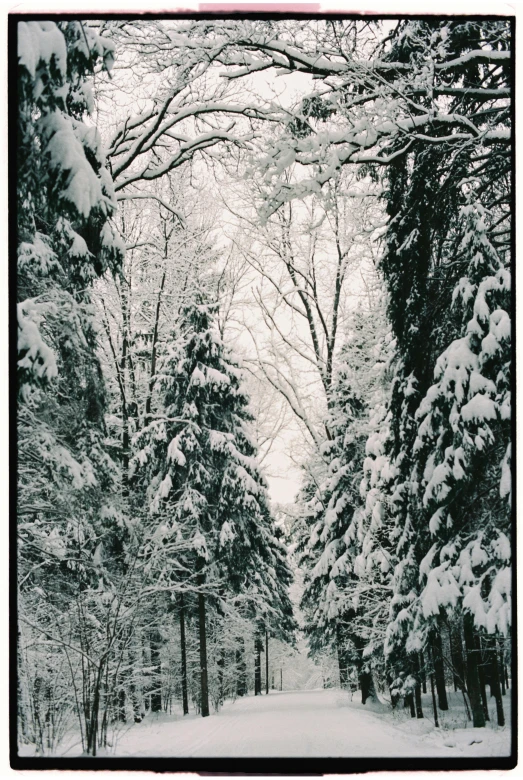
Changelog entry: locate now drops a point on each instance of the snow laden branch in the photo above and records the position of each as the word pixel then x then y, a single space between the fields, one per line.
pixel 304 258
pixel 193 114
pixel 367 109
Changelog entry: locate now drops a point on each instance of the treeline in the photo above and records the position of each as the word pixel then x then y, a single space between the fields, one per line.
pixel 150 569
pixel 407 540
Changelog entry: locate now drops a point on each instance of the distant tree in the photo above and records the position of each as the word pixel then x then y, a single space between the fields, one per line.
pixel 332 595
pixel 204 483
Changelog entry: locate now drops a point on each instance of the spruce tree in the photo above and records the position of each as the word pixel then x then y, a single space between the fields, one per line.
pixel 212 530
pixel 332 549
pixel 64 202
pixel 465 438
pixel 429 249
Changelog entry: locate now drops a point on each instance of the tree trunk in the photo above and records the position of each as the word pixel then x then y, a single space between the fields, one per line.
pixel 183 645
pixel 439 670
pixel 91 730
pixel 417 689
pixel 124 292
pixel 133 698
pixel 155 639
pixel 423 674
pixel 241 683
pixel 341 658
pixel 366 681
pixel 257 665
pixel 106 710
pixel 365 678
pixel 220 664
pixel 409 702
pixel 473 686
pixel 495 685
pixel 22 716
pixel 481 675
pixel 204 686
pixel 266 662
pixel 456 653
pixel 239 687
pixel 501 670
pixel 152 373
pixel 134 663
pixel 433 691
pixel 122 716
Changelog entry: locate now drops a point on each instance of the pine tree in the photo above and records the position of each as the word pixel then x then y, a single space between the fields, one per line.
pixel 65 241
pixel 464 442
pixel 428 250
pixel 331 550
pixel 205 486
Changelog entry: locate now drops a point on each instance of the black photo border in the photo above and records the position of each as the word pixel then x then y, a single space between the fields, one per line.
pixel 221 765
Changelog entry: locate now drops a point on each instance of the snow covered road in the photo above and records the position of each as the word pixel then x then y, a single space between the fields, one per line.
pixel 320 723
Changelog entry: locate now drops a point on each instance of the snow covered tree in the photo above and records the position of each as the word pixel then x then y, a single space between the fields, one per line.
pixel 204 482
pixel 332 597
pixel 304 261
pixel 177 96
pixel 429 259
pixel 464 449
pixel 65 241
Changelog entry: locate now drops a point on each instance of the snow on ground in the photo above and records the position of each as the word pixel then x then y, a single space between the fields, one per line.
pixel 321 723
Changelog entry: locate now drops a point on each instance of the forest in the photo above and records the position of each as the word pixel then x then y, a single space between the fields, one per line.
pixel 264 371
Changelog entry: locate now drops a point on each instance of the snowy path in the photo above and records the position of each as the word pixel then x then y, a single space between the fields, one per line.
pixel 322 723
